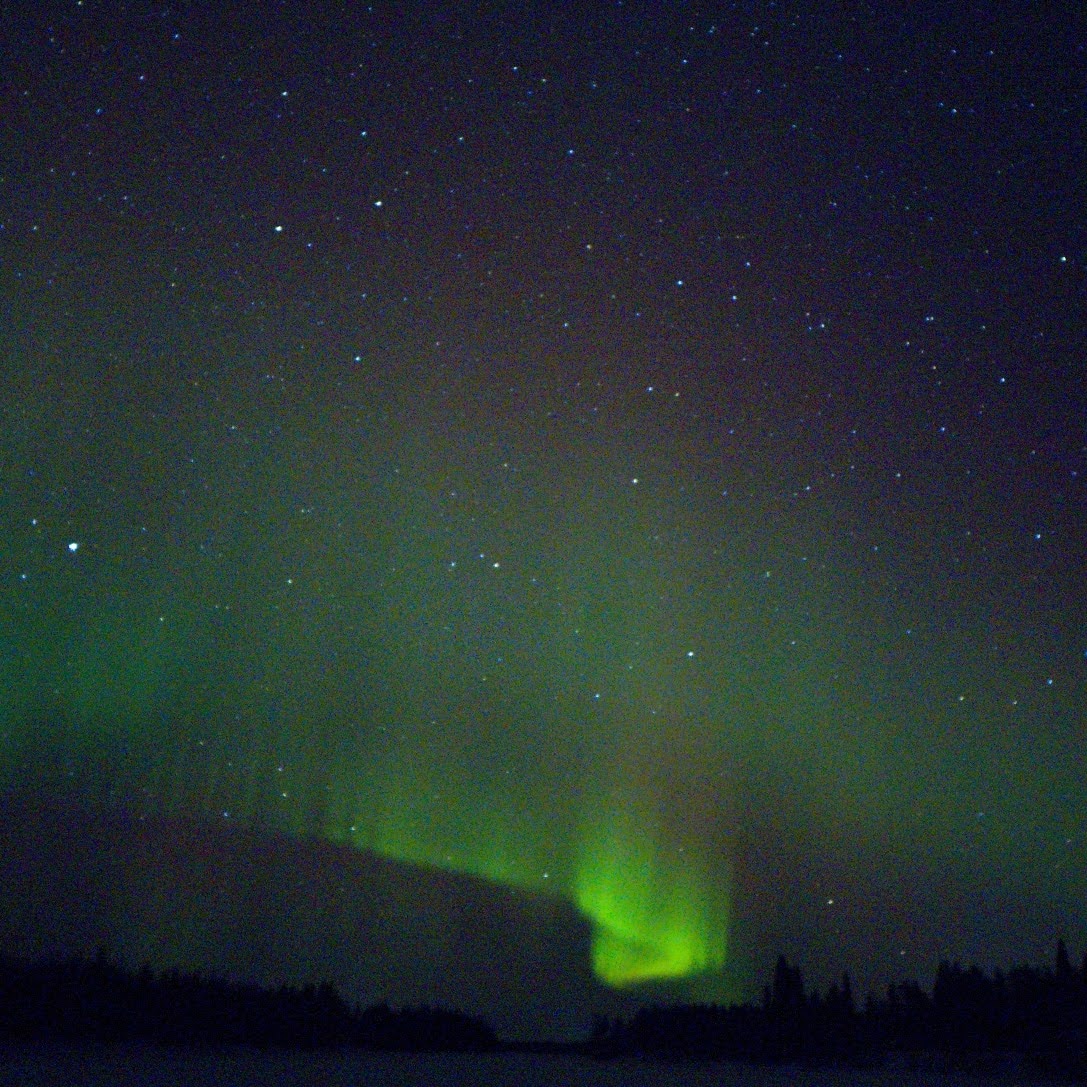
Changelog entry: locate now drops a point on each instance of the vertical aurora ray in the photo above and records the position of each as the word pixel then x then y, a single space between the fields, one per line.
pixel 646 875
pixel 653 916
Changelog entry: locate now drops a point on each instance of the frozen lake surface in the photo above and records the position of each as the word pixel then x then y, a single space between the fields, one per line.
pixel 148 1066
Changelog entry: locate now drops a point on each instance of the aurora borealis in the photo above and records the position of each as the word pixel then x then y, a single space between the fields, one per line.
pixel 630 455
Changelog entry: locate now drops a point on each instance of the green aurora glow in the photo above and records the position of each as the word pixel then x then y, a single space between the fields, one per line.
pixel 478 651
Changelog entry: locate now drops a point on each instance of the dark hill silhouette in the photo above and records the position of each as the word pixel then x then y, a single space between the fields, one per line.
pixel 267 908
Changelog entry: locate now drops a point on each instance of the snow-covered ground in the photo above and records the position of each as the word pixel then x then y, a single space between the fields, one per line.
pixel 147 1066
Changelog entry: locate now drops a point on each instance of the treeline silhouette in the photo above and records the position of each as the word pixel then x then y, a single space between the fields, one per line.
pixel 96 999
pixel 1032 1012
pixel 1035 1013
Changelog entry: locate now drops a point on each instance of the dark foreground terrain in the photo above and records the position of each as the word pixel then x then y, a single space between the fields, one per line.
pixel 93 1021
pixel 141 1065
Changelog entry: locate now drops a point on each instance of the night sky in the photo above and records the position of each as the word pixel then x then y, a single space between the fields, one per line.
pixel 632 455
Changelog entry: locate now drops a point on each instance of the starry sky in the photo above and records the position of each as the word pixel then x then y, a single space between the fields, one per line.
pixel 628 453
